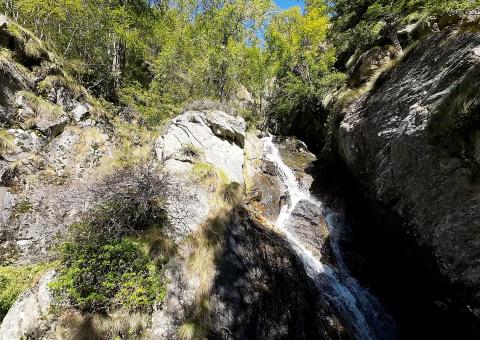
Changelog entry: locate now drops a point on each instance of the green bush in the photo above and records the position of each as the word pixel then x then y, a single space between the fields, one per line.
pixel 105 264
pixel 97 277
pixel 14 280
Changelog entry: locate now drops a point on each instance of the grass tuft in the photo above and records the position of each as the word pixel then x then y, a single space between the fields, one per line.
pixel 6 142
pixel 41 107
pixel 231 193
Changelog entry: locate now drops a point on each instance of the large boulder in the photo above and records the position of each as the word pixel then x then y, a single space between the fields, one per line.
pixel 413 144
pixel 209 139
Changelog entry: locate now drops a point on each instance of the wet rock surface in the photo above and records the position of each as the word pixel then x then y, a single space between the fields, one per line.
pixel 263 189
pixel 262 290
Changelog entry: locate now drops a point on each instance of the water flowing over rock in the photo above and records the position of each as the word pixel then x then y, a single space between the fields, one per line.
pixel 406 144
pixel 359 311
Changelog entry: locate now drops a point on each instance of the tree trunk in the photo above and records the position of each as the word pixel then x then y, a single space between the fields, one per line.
pixel 118 63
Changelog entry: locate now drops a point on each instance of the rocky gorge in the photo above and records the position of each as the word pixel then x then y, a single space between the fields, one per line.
pixel 266 240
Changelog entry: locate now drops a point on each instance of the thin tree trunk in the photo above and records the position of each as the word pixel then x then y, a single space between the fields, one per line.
pixel 118 62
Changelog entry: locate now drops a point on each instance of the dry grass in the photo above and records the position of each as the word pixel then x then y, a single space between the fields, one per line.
pixel 57 81
pixel 6 142
pixel 161 248
pixel 119 325
pixel 231 193
pixel 207 244
pixel 41 107
pixel 191 151
pixel 31 45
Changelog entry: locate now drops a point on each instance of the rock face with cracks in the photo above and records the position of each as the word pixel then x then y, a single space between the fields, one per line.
pixel 195 144
pixel 413 143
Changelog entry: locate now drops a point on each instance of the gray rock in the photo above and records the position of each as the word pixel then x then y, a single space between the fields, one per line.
pixel 416 159
pixel 80 112
pixel 308 225
pixel 7 201
pixel 211 137
pixel 217 135
pixel 368 64
pixel 26 141
pixel 28 317
pixel 52 127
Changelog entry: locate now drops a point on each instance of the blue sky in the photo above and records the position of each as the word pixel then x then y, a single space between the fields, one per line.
pixel 289 3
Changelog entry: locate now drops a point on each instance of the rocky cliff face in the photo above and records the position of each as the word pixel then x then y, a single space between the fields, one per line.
pixel 54 141
pixel 413 143
pixel 251 283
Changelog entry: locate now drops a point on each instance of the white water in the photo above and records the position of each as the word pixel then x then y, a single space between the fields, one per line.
pixel 361 312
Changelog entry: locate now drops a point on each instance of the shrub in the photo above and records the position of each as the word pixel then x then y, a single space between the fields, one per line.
pixel 14 280
pixel 99 277
pixel 105 264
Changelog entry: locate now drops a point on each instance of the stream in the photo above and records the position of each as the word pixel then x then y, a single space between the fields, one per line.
pixel 360 311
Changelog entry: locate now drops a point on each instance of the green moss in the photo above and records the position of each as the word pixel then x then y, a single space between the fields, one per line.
pixel 23 207
pixel 14 280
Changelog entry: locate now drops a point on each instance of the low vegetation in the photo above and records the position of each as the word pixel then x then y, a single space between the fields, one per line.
pixel 207 244
pixel 458 111
pixel 118 325
pixel 14 280
pixel 6 142
pixel 106 265
pixel 41 107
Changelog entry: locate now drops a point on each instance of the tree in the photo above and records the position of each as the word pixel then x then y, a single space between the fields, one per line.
pixel 302 59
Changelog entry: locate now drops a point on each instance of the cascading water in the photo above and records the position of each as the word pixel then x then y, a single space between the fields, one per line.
pixel 360 311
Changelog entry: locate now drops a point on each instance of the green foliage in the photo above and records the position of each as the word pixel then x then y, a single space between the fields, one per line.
pixel 359 23
pixel 303 62
pixel 104 264
pixel 14 280
pixel 97 276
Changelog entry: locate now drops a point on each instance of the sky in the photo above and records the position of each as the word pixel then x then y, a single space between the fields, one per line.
pixel 289 3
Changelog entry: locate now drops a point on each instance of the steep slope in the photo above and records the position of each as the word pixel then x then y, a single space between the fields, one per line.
pixel 413 142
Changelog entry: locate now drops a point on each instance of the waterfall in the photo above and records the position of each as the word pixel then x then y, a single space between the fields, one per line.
pixel 360 311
